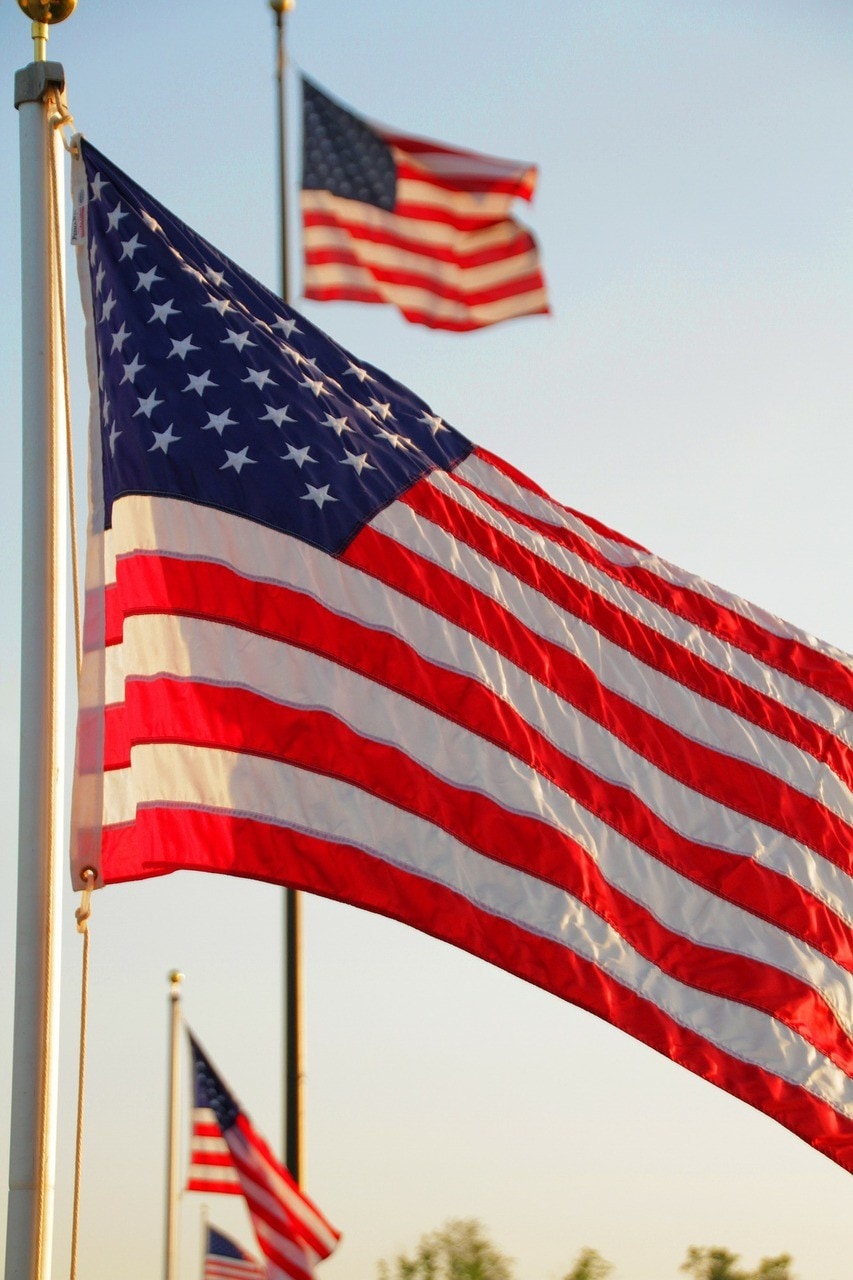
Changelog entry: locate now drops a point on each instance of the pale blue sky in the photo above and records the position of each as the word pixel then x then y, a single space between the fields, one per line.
pixel 693 389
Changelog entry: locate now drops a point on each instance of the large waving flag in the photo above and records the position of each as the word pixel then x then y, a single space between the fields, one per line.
pixel 419 224
pixel 292 1233
pixel 331 644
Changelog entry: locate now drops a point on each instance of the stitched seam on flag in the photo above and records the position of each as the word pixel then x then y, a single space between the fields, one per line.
pixel 796 1104
pixel 779 731
pixel 582 895
pixel 546 772
pixel 562 832
pixel 669 766
pixel 656 1041
pixel 483 636
pixel 796 974
pixel 624 551
pixel 606 966
pixel 654 567
pixel 804 748
pixel 824 750
pixel 676 869
pixel 603 911
pixel 751 649
pixel 396 586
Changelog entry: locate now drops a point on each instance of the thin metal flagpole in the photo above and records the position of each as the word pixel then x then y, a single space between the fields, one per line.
pixel 173 1171
pixel 32 1156
pixel 292 978
pixel 205 1225
pixel 281 8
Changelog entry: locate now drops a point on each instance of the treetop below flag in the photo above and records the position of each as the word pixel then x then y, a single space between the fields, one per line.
pixel 332 644
pixel 424 226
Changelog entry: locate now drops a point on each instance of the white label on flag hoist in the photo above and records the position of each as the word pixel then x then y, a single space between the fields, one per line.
pixel 79 220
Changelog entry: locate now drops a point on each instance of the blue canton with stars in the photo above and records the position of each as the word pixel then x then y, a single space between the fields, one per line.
pixel 342 154
pixel 220 1246
pixel 213 390
pixel 209 1091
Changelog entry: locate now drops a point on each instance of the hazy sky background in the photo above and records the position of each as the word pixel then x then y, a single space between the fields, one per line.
pixel 693 389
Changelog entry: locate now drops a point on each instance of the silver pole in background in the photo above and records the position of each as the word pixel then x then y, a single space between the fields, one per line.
pixel 32 1156
pixel 281 8
pixel 173 1144
pixel 293 1047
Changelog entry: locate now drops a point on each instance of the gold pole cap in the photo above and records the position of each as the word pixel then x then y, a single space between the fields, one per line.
pixel 176 977
pixel 49 11
pixel 277 6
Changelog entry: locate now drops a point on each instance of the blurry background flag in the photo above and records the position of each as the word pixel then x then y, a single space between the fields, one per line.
pixel 225 1260
pixel 424 226
pixel 292 1233
pixel 333 645
pixel 211 1167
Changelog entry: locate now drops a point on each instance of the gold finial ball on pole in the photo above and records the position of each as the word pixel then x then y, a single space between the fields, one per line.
pixel 49 11
pixel 176 977
pixel 277 6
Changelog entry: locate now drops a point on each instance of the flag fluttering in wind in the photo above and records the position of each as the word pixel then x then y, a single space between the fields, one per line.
pixel 292 1233
pixel 225 1260
pixel 332 644
pixel 211 1167
pixel 419 224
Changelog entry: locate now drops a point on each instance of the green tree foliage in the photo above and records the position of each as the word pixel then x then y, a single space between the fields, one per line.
pixel 715 1263
pixel 778 1268
pixel 712 1263
pixel 460 1250
pixel 589 1265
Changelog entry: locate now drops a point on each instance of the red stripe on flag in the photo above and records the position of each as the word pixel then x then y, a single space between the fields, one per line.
pixel 242 721
pixel 725 779
pixel 795 659
pixel 462 254
pixel 148 584
pixel 417 315
pixel 446 289
pixel 242 847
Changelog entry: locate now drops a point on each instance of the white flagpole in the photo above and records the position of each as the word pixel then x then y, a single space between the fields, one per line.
pixel 173 1172
pixel 32 1158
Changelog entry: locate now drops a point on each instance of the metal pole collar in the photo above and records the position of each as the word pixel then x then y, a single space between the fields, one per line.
pixel 33 82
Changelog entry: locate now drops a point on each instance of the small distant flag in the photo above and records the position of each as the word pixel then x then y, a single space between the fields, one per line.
pixel 292 1233
pixel 225 1260
pixel 421 225
pixel 211 1167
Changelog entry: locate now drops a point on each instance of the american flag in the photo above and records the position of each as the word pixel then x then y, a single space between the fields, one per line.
pixel 292 1233
pixel 211 1168
pixel 225 1260
pixel 331 644
pixel 419 224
